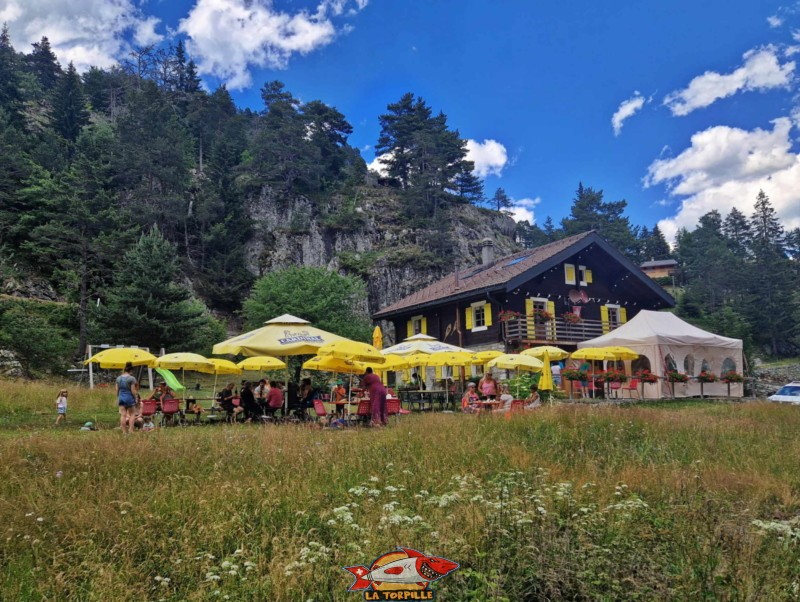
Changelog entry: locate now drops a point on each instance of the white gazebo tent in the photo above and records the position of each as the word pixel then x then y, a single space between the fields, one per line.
pixel 669 343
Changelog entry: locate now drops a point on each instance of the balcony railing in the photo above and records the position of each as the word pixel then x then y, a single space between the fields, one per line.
pixel 530 330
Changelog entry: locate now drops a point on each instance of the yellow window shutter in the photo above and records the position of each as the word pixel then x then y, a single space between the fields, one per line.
pixel 588 276
pixel 424 326
pixel 623 315
pixel 410 328
pixel 528 307
pixel 469 318
pixel 604 319
pixel 551 308
pixel 487 314
pixel 569 273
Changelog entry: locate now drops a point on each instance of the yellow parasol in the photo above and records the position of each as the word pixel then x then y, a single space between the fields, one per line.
pixel 120 356
pixel 481 357
pixel 546 353
pixel 593 353
pixel 328 363
pixel 261 363
pixel 421 343
pixel 621 353
pixel 353 350
pixel 393 363
pixel 183 362
pixel 282 336
pixel 515 361
pixel 377 338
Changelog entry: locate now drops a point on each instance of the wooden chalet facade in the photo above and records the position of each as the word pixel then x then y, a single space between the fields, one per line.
pixel 561 293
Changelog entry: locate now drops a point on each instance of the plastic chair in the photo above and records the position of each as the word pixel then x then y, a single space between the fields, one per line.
pixel 364 412
pixel 632 387
pixel 615 388
pixel 394 408
pixel 319 409
pixel 169 409
pixel 149 407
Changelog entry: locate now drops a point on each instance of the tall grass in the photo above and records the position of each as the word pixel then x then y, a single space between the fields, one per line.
pixel 662 501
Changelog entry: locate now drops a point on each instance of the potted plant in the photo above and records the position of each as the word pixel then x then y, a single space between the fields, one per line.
pixel 572 376
pixel 571 318
pixel 703 378
pixel 645 376
pixel 542 315
pixel 615 376
pixel 731 376
pixel 507 315
pixel 673 377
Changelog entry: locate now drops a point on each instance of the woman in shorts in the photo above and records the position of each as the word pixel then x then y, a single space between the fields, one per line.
pixel 126 389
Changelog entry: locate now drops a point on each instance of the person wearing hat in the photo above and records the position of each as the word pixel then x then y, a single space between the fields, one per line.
pixel 89 426
pixel 470 400
pixel 339 397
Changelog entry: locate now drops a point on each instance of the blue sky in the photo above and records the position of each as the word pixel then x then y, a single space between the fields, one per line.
pixel 705 92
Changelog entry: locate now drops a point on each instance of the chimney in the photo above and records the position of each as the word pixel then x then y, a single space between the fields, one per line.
pixel 487 251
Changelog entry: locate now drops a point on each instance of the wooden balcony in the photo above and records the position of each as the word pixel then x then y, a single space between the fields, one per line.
pixel 552 332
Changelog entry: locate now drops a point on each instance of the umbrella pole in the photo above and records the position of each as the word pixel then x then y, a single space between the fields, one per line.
pixel 286 393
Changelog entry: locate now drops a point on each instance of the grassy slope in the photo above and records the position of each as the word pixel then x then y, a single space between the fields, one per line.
pixel 648 502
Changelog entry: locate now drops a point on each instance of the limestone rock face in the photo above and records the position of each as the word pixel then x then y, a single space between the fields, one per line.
pixel 363 235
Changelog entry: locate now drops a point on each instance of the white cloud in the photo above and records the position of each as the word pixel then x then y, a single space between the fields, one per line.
pixel 726 167
pixel 761 71
pixel 627 108
pixel 228 37
pixel 489 156
pixel 378 164
pixel 522 209
pixel 86 32
pixel 774 21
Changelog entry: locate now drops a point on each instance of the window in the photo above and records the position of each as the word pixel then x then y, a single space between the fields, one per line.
pixel 582 275
pixel 728 365
pixel 417 325
pixel 670 364
pixel 704 366
pixel 640 363
pixel 569 273
pixel 688 365
pixel 480 316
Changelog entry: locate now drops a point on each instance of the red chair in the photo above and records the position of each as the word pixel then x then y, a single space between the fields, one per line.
pixel 364 412
pixel 169 409
pixel 149 407
pixel 393 408
pixel 615 388
pixel 632 387
pixel 319 409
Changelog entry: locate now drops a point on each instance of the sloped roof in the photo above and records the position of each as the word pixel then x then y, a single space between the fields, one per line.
pixel 481 277
pixel 659 263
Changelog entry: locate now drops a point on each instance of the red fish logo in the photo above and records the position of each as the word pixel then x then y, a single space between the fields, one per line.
pixel 402 570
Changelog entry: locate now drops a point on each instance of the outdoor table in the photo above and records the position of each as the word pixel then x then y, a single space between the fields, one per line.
pixel 423 397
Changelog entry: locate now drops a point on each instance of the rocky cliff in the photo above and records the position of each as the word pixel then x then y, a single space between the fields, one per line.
pixel 363 234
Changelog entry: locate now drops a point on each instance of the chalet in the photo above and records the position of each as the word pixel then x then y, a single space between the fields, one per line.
pixel 561 293
pixel 660 268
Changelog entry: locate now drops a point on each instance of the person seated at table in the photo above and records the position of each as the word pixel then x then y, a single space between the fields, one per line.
pixel 248 402
pixel 306 399
pixel 487 386
pixel 417 382
pixel 260 393
pixel 339 397
pixel 533 400
pixel 225 401
pixel 158 392
pixel 274 398
pixel 505 399
pixel 470 402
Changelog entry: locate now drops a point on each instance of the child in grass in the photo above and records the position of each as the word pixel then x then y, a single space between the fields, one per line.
pixel 61 406
pixel 148 425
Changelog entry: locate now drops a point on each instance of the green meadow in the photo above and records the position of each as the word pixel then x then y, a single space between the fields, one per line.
pixel 661 501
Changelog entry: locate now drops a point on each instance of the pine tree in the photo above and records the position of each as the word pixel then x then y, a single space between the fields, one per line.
pixel 10 95
pixel 737 232
pixel 500 200
pixel 70 111
pixel 590 212
pixel 43 63
pixel 655 245
pixel 469 188
pixel 147 306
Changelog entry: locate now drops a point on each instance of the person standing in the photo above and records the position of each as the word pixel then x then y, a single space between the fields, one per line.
pixel 126 389
pixel 555 369
pixel 488 386
pixel 377 397
pixel 61 406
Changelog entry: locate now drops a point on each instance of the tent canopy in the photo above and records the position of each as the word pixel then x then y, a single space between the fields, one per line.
pixel 660 328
